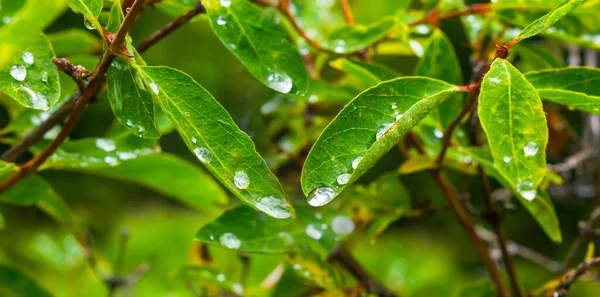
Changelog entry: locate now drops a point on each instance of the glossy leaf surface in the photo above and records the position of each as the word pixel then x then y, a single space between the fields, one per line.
pixel 15 283
pixel 90 9
pixel 350 39
pixel 549 19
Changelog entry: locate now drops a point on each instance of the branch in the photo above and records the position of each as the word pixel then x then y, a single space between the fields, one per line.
pixel 584 232
pixel 96 82
pixel 569 279
pixel 78 73
pixel 341 255
pixel 16 151
pixel 434 18
pixel 347 12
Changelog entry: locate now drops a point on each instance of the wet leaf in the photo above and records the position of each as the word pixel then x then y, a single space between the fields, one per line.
pixel 576 87
pixel 361 73
pixel 213 277
pixel 549 19
pixel 353 38
pixel 210 133
pixel 15 283
pixel 90 9
pixel 32 79
pixel 514 121
pixel 369 126
pixel 253 36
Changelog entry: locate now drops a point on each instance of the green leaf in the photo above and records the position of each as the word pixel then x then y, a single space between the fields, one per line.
pixel 254 37
pixel 15 283
pixel 74 41
pixel 440 61
pixel 176 8
pixel 307 265
pixel 246 230
pixel 353 38
pixel 379 70
pixel 536 58
pixel 208 276
pixel 26 26
pixel 540 208
pixel 514 121
pixel 212 135
pixel 548 20
pixel 90 9
pixel 576 87
pixel 417 163
pixel 131 100
pixel 481 288
pixel 2 221
pixel 369 126
pixel 33 190
pixel 361 73
pixel 32 79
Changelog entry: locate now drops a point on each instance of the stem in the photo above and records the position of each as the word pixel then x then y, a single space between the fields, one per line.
pixel 448 134
pixel 572 277
pixel 583 234
pixel 17 150
pixel 96 82
pixel 433 18
pixel 347 12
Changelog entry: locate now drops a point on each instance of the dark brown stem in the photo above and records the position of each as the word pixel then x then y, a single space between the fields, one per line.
pixel 96 82
pixel 569 279
pixel 78 73
pixel 347 12
pixel 433 18
pixel 342 256
pixel 170 27
pixel 17 150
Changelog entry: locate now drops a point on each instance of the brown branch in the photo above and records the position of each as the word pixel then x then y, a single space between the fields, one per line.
pixel 347 12
pixel 342 256
pixel 95 84
pixel 170 27
pixel 434 18
pixel 17 150
pixel 78 73
pixel 584 233
pixel 570 278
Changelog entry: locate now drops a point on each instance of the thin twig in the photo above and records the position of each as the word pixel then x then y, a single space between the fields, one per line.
pixel 347 12
pixel 96 82
pixel 569 279
pixel 434 18
pixel 584 233
pixel 78 73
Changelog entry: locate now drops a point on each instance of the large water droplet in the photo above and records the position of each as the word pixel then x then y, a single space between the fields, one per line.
pixel 438 133
pixel 221 21
pixel 342 225
pixel 204 154
pixel 18 72
pixel 241 180
pixel 340 46
pixel 383 130
pixel 106 145
pixel 343 178
pixel 530 149
pixel 238 289
pixel 356 162
pixel 37 101
pixel 321 196
pixel 275 207
pixel 225 3
pixel 313 232
pixel 506 159
pixel 28 58
pixel 88 24
pixel 154 88
pixel 526 190
pixel 280 82
pixel 230 241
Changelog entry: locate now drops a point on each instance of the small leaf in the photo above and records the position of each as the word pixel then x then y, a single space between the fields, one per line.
pixel 541 208
pixel 514 121
pixel 417 163
pixel 548 20
pixel 576 87
pixel 361 73
pixel 353 38
pixel 32 78
pixel 252 35
pixel 212 135
pixel 90 9
pixel 74 41
pixel 369 126
pixel 15 283
pixel 589 254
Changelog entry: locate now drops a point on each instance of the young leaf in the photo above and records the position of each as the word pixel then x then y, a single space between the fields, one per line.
pixel 32 79
pixel 15 283
pixel 90 9
pixel 361 73
pixel 548 20
pixel 253 36
pixel 215 139
pixel 577 87
pixel 540 208
pixel 369 126
pixel 513 119
pixel 352 38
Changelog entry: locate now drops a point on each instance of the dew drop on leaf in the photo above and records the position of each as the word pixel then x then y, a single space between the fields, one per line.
pixel 28 58
pixel 221 21
pixel 37 101
pixel 88 24
pixel 18 72
pixel 342 225
pixel 221 277
pixel 44 77
pixel 106 145
pixel 277 208
pixel 343 178
pixel 506 159
pixel 225 3
pixel 494 80
pixel 230 241
pixel 526 190
pixel 110 160
pixel 383 130
pixel 356 162
pixel 438 133
pixel 194 140
pixel 530 149
pixel 321 196
pixel 154 88
pixel 204 154
pixel 280 82
pixel 241 180
pixel 313 232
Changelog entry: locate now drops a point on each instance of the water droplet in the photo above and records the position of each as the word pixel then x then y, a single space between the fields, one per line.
pixel 6 20
pixel 530 149
pixel 321 196
pixel 394 105
pixel 383 130
pixel 275 207
pixel 126 155
pixel 88 24
pixel 18 72
pixel 204 154
pixel 297 266
pixel 225 3
pixel 110 160
pixel 106 145
pixel 221 21
pixel 194 140
pixel 506 159
pixel 494 80
pixel 468 159
pixel 342 225
pixel 221 277
pixel 438 133
pixel 422 29
pixel 356 162
pixel 313 232
pixel 398 117
pixel 238 289
pixel 526 190
pixel 343 178
pixel 44 77
pixel 154 87
pixel 318 216
pixel 230 241
pixel 280 82
pixel 241 180
pixel 28 58
pixel 37 101
pixel 340 46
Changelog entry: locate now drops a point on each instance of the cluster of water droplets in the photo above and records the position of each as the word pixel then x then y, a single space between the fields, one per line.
pixel 275 207
pixel 19 73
